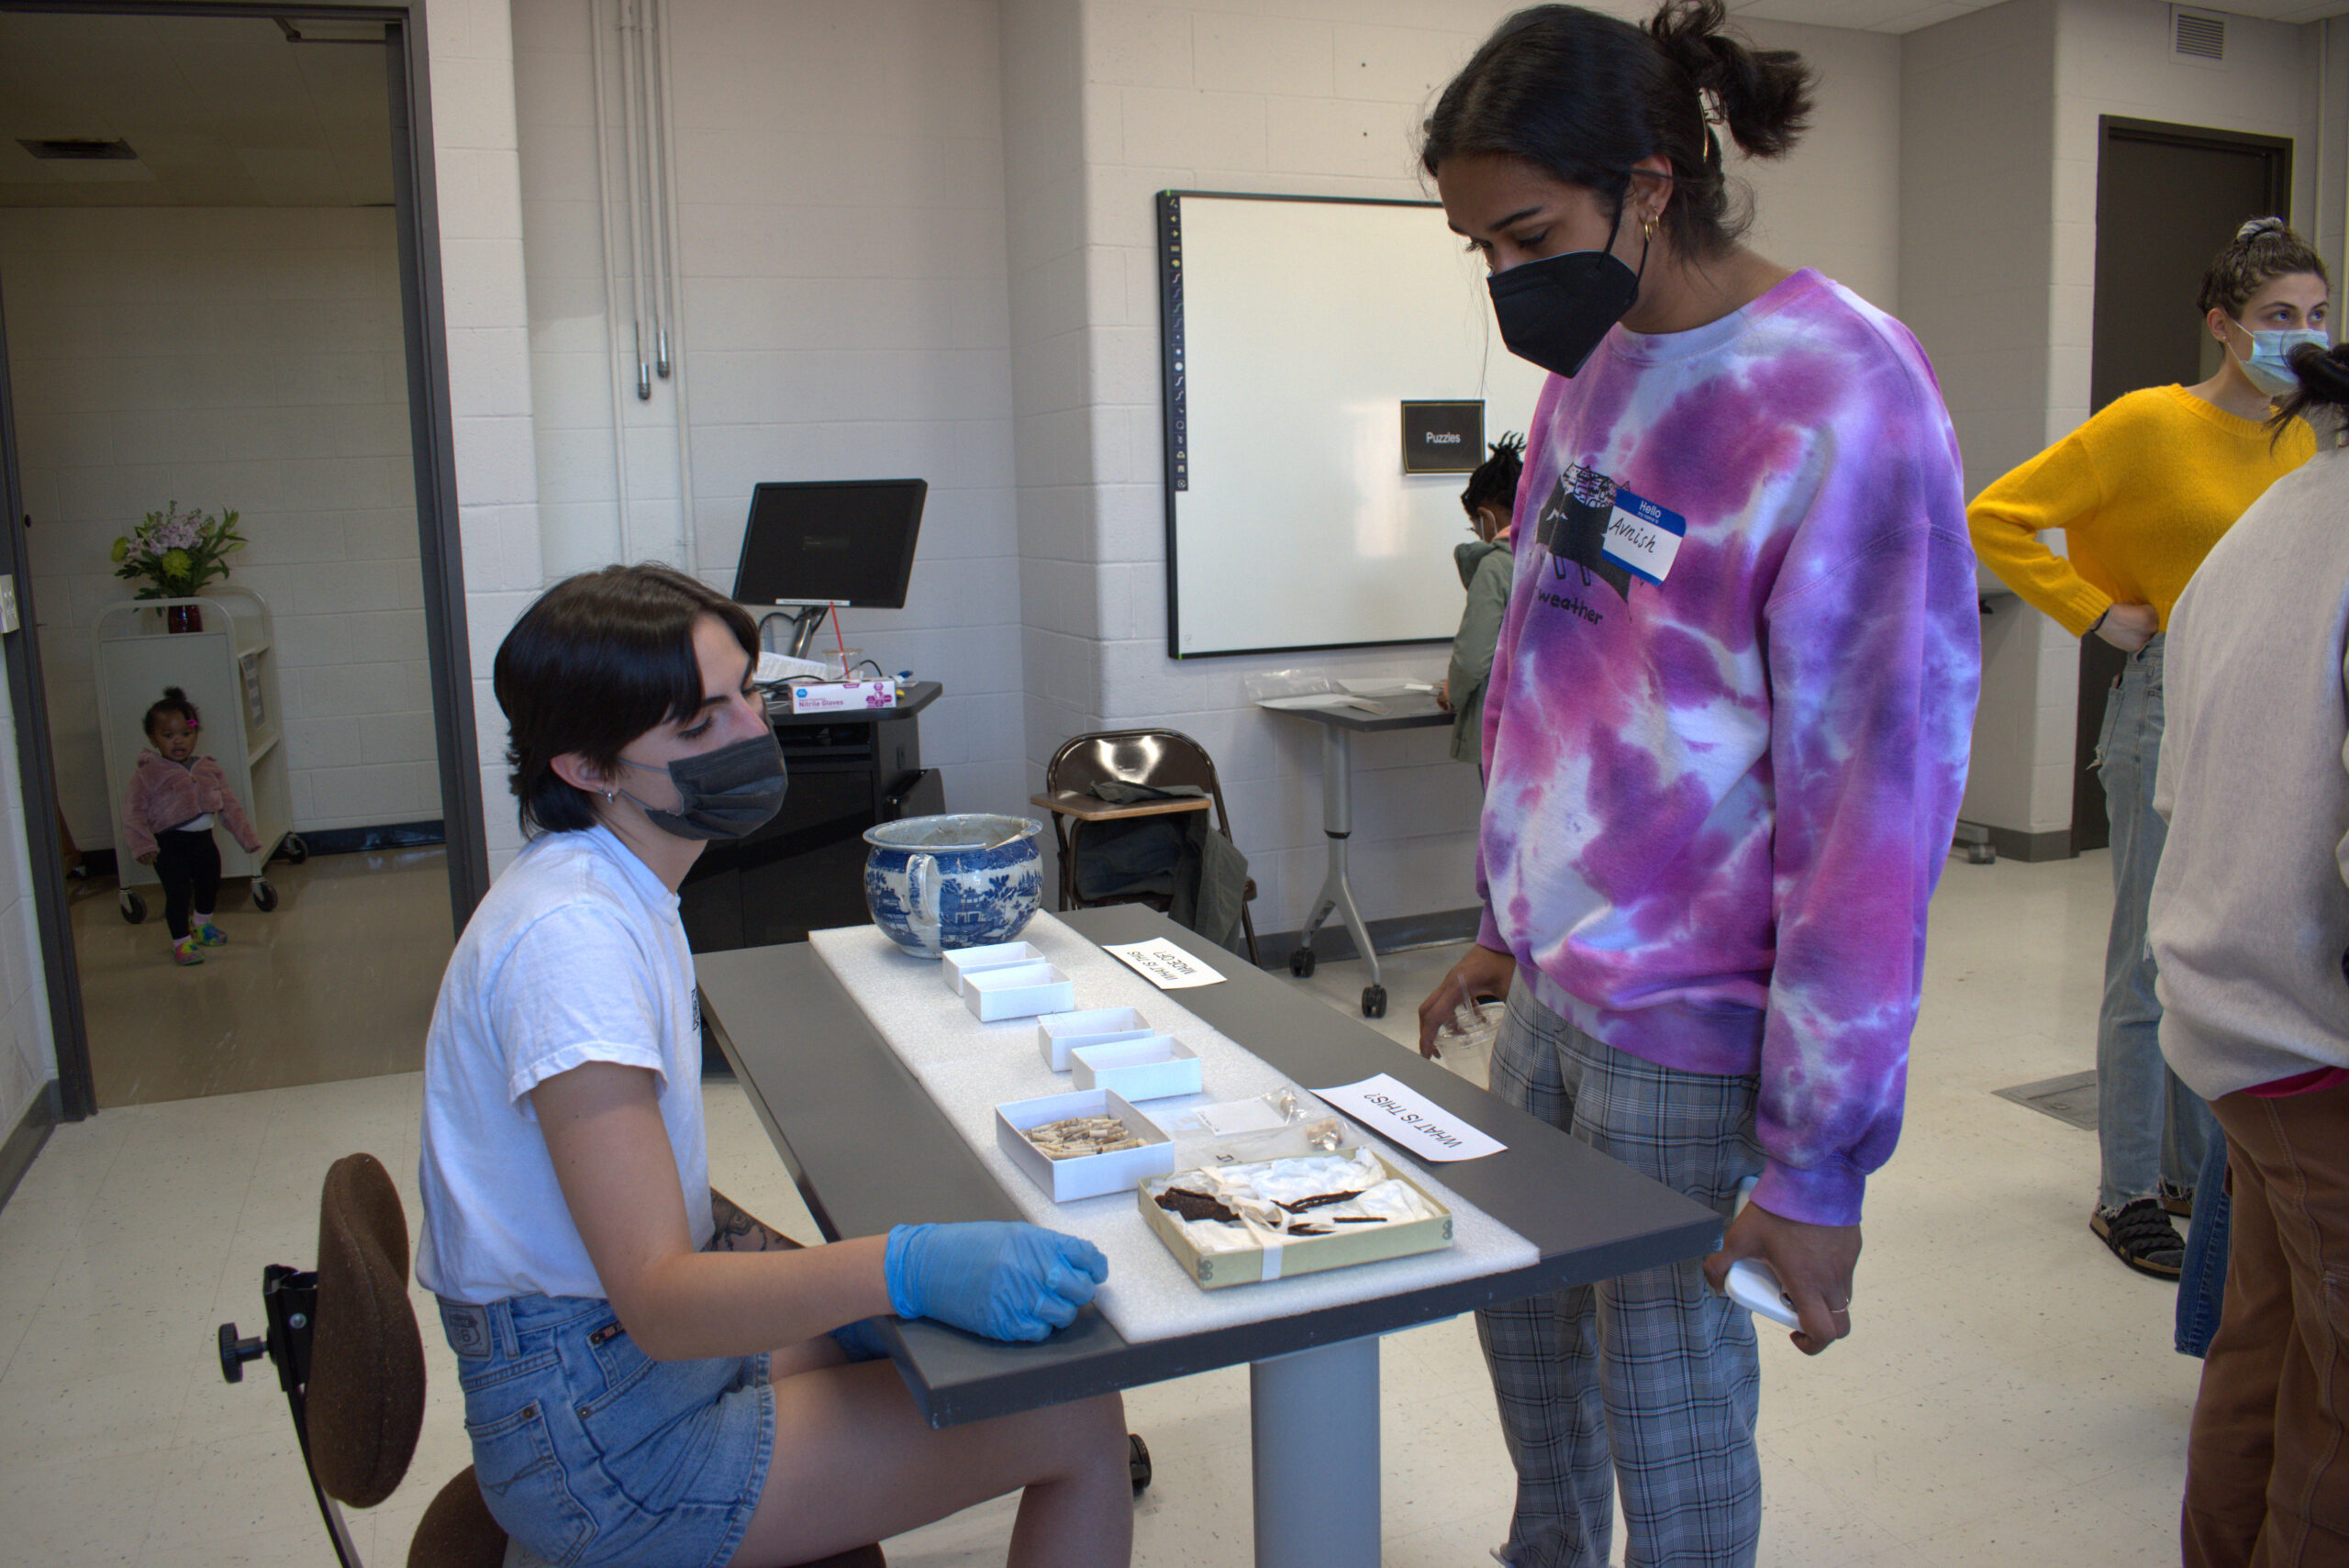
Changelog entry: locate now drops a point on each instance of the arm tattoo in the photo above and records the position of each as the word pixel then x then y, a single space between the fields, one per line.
pixel 737 1231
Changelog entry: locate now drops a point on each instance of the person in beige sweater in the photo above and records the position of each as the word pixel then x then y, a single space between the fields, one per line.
pixel 2250 929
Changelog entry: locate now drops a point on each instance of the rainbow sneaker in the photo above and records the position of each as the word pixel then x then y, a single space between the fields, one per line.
pixel 211 935
pixel 188 950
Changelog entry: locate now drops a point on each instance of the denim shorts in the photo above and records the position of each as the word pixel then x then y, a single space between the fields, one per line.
pixel 589 1451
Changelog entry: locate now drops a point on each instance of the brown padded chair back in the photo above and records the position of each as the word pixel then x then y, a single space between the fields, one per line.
pixel 1156 757
pixel 366 1393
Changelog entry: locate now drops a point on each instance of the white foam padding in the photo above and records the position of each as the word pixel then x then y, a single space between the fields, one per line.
pixel 969 1068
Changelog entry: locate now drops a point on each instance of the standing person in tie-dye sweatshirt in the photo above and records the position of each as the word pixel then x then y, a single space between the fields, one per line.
pixel 1725 738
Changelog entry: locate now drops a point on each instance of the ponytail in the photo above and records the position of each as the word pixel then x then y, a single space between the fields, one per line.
pixel 1763 95
pixel 2322 395
pixel 1583 98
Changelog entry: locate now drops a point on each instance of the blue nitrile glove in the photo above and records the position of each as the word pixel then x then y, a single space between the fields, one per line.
pixel 1005 1280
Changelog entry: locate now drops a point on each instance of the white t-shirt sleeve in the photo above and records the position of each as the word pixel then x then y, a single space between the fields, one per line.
pixel 576 987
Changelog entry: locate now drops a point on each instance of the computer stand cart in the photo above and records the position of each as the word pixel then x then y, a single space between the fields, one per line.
pixel 229 668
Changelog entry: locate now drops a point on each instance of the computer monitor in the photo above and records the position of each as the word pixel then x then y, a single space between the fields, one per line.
pixel 844 541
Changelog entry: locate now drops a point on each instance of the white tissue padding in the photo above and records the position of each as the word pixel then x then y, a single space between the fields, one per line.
pixel 970 1068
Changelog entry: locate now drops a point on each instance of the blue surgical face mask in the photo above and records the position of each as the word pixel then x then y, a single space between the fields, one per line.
pixel 2269 368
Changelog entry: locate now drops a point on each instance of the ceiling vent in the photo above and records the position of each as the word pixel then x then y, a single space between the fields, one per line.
pixel 77 150
pixel 2199 36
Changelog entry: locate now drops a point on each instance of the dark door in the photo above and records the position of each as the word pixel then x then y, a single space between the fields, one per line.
pixel 2166 198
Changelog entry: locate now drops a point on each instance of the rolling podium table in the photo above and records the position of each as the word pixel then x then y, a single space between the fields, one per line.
pixel 1338 727
pixel 822 1082
pixel 805 869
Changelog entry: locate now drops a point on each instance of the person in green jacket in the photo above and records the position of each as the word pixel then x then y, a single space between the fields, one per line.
pixel 1486 567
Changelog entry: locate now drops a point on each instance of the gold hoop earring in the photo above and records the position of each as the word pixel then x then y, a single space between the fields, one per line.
pixel 1647 231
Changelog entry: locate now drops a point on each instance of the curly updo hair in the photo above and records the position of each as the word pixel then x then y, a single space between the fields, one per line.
pixel 1494 481
pixel 1584 96
pixel 2264 250
pixel 597 660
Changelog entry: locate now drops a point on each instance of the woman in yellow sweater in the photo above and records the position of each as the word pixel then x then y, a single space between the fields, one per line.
pixel 2142 491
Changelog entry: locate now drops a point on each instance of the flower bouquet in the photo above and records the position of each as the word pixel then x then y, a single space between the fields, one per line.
pixel 173 554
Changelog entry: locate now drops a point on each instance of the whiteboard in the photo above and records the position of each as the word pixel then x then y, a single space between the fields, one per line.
pixel 1295 330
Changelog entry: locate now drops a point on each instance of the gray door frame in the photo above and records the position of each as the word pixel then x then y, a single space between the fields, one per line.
pixel 432 441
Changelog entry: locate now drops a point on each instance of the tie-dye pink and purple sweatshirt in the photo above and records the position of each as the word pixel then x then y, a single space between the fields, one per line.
pixel 1727 724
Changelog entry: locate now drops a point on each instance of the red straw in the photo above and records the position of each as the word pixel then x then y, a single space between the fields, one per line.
pixel 839 642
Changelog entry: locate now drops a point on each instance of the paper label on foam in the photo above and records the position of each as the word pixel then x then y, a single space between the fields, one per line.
pixel 1164 965
pixel 1412 1119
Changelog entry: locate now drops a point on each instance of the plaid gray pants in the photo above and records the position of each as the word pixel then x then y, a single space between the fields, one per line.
pixel 1649 1381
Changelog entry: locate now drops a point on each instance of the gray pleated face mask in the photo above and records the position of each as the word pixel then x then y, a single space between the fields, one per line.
pixel 731 793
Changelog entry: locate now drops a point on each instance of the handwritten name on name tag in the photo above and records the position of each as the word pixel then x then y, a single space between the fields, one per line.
pixel 1642 537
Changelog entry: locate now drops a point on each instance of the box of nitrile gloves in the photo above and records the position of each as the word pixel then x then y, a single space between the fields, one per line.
pixel 842 696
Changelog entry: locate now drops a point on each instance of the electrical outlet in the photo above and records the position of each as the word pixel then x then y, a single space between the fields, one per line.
pixel 7 602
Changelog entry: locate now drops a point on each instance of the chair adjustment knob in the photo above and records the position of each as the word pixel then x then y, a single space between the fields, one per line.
pixel 235 1353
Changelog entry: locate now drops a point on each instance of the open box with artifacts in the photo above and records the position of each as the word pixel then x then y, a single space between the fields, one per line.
pixel 1082 1145
pixel 1299 1215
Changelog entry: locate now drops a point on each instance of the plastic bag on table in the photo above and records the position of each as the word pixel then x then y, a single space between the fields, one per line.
pixel 1286 1121
pixel 1302 688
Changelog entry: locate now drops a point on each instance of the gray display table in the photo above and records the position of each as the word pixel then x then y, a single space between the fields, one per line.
pixel 832 1095
pixel 1338 727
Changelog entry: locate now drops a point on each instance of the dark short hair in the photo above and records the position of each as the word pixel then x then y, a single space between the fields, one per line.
pixel 600 659
pixel 1583 97
pixel 173 700
pixel 1494 481
pixel 2264 250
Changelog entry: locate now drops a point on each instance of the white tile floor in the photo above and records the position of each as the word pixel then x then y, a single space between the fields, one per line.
pixel 2009 1393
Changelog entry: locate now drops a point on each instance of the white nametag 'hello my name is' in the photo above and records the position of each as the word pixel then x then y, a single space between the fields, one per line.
pixel 1642 537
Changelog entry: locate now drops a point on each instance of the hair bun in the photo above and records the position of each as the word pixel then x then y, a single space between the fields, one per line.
pixel 173 694
pixel 1761 94
pixel 2259 226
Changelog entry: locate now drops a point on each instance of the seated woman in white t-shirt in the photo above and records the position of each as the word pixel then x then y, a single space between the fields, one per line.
pixel 643 1382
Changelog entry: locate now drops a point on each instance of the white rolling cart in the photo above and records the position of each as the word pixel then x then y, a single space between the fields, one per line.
pixel 230 672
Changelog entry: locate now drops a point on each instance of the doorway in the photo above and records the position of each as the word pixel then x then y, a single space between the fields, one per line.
pixel 226 291
pixel 2168 196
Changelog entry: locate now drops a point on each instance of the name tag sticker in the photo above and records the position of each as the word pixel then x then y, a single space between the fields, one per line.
pixel 1642 537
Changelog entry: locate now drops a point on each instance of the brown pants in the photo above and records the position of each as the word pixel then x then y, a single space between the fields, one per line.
pixel 2267 1462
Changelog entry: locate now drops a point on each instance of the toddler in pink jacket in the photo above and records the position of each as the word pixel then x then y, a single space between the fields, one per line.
pixel 167 813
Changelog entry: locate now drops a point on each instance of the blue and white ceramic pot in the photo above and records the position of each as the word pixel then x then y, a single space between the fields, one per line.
pixel 934 883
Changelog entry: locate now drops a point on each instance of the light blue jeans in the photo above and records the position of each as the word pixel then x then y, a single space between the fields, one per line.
pixel 2203 1285
pixel 2150 1126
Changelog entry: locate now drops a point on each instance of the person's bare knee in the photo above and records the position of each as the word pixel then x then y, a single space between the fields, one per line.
pixel 1088 1437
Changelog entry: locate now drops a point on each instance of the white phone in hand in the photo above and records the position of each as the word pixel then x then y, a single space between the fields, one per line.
pixel 1754 1284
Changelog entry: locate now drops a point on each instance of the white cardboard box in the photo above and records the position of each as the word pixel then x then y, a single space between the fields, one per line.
pixel 1017 991
pixel 1088 1176
pixel 1057 1034
pixel 959 962
pixel 1149 1069
pixel 839 696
